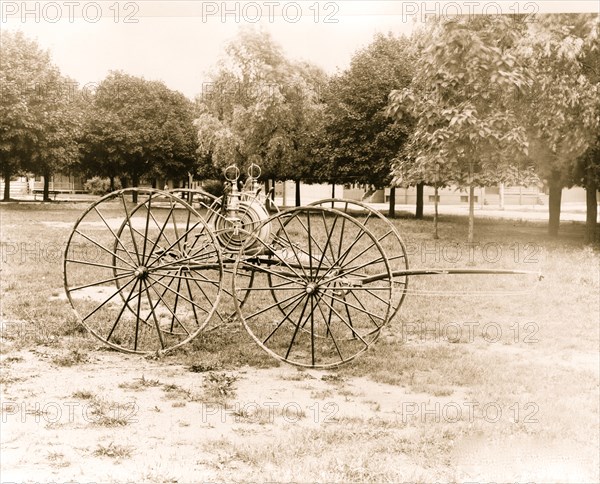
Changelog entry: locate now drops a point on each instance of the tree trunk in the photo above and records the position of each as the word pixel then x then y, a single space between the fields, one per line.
pixel 135 181
pixel 555 194
pixel 46 196
pixel 112 183
pixel 333 190
pixel 392 207
pixel 501 195
pixel 471 213
pixel 419 209
pixel 273 191
pixel 591 217
pixel 435 214
pixel 297 193
pixel 7 175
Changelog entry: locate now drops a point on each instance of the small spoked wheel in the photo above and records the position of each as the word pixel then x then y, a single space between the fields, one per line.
pixel 322 290
pixel 387 235
pixel 144 276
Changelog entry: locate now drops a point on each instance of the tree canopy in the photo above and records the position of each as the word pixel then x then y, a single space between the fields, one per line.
pixel 360 141
pixel 39 116
pixel 137 128
pixel 260 108
pixel 462 100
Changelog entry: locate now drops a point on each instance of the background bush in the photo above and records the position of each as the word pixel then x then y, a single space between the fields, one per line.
pixel 100 186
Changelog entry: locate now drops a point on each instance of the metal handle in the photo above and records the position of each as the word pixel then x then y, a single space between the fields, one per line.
pixel 254 171
pixel 232 173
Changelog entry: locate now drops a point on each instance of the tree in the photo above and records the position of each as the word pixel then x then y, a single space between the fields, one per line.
pixel 139 128
pixel 58 131
pixel 360 141
pixel 462 99
pixel 562 55
pixel 37 116
pixel 261 108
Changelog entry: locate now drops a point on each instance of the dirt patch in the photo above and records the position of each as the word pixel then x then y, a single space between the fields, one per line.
pixel 116 417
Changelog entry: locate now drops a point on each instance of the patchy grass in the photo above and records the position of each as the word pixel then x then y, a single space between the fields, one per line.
pixel 219 387
pixel 73 357
pixel 114 451
pixel 140 384
pixel 528 347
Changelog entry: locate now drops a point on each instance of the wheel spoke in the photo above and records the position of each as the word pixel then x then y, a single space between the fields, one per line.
pixel 342 257
pixel 113 233
pixel 103 248
pixel 128 222
pixel 296 330
pixel 182 259
pixel 161 232
pixel 329 332
pixel 156 324
pixel 122 311
pixel 98 283
pixel 291 245
pixel 343 301
pixel 155 244
pixel 95 264
pixel 260 268
pixel 278 303
pixel 176 301
pixel 107 300
pixel 348 324
pixel 327 243
pixel 146 228
pixel 179 239
pixel 181 277
pixel 312 329
pixel 348 272
pixel 168 308
pixel 286 318
pixel 170 289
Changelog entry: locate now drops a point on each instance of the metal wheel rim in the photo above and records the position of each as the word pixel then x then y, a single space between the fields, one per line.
pixel 367 338
pixel 216 265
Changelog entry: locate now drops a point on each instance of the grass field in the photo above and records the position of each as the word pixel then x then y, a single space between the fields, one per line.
pixel 479 378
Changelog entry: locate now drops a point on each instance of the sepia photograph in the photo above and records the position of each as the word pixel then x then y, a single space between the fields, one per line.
pixel 300 241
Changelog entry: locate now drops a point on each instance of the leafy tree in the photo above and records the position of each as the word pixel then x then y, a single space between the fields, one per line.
pixel 260 108
pixel 463 102
pixel 139 128
pixel 562 55
pixel 58 132
pixel 360 141
pixel 38 117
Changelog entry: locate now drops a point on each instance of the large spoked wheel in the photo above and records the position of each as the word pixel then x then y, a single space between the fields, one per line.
pixel 387 235
pixel 146 276
pixel 332 284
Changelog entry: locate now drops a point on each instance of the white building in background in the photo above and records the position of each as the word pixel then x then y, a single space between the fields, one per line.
pixel 285 195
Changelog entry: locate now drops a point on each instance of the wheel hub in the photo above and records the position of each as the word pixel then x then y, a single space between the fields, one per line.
pixel 311 288
pixel 141 272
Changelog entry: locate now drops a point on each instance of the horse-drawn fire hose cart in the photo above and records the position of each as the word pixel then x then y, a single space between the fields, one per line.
pixel 312 285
